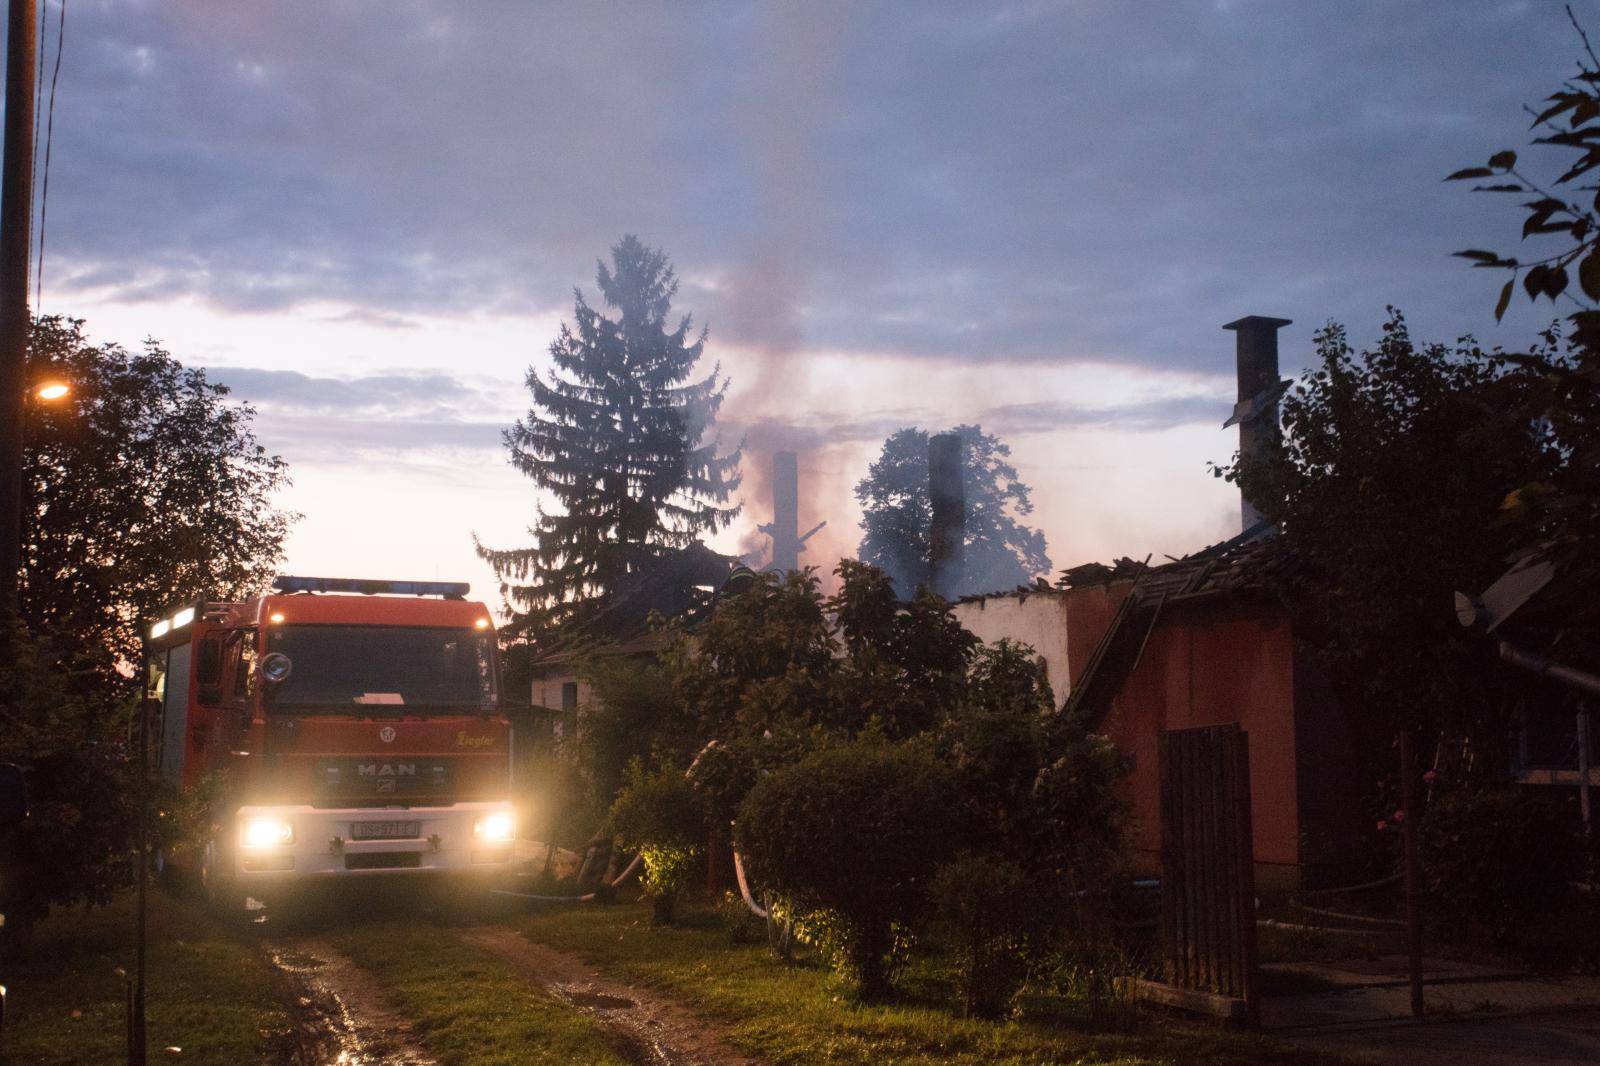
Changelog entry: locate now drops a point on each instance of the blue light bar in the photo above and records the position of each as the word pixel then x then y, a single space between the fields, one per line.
pixel 450 590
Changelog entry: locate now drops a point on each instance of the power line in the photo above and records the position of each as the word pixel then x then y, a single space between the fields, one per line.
pixel 49 133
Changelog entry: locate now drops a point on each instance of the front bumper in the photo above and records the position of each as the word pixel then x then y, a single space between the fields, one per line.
pixel 324 844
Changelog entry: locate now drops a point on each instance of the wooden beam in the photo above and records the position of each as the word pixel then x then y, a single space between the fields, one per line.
pixel 1227 1008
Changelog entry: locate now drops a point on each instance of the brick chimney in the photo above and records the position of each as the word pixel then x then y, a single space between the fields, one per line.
pixel 785 528
pixel 949 513
pixel 1260 389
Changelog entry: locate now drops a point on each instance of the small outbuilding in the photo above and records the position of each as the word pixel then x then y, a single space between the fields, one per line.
pixel 1201 641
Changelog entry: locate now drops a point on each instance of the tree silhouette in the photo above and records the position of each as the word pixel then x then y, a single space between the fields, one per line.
pixel 1386 487
pixel 145 489
pixel 1559 516
pixel 620 435
pixel 999 552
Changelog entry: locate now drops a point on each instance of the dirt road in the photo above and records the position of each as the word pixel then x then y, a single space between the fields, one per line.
pixel 661 1030
pixel 345 1015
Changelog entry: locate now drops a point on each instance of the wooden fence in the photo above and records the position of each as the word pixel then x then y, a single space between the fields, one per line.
pixel 1208 920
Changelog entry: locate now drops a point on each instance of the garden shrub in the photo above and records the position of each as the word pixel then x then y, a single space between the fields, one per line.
pixel 1043 787
pixel 1498 858
pixel 630 714
pixel 985 905
pixel 659 814
pixel 69 732
pixel 555 803
pixel 850 838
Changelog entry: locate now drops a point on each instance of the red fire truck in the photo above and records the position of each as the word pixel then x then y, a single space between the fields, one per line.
pixel 349 729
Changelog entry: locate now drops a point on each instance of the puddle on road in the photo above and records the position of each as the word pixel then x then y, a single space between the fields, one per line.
pixel 649 1030
pixel 626 1020
pixel 345 1031
pixel 596 1000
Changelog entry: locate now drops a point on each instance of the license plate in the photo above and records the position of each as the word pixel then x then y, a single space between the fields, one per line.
pixel 385 830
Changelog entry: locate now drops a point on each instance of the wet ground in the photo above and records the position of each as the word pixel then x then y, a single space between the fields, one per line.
pixel 347 1018
pixel 657 1029
pixel 346 1015
pixel 1473 1014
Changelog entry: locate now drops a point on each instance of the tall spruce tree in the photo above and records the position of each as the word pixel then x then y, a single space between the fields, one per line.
pixel 621 435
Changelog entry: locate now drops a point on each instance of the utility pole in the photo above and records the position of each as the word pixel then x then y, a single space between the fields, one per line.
pixel 16 243
pixel 1413 868
pixel 138 1043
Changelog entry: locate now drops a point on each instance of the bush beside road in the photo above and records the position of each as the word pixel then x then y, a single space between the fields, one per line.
pixel 800 1013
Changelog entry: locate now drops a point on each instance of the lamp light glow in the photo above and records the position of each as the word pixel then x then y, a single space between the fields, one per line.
pixel 497 827
pixel 52 390
pixel 160 629
pixel 265 832
pixel 183 618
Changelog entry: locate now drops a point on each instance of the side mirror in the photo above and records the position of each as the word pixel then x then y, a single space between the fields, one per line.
pixel 275 668
pixel 13 796
pixel 208 670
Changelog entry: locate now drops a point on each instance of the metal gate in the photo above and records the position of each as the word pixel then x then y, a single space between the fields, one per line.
pixel 1208 920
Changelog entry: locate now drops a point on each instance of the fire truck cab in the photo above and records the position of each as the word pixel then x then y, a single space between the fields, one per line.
pixel 339 729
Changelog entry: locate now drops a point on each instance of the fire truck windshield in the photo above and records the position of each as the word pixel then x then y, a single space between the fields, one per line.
pixel 383 669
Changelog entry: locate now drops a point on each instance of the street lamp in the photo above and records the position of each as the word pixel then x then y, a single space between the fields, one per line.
pixel 46 390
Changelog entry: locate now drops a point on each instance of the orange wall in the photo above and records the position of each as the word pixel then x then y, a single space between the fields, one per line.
pixel 1089 611
pixel 1207 663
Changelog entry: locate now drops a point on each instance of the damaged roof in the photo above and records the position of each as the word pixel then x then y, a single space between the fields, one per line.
pixel 1252 561
pixel 679 585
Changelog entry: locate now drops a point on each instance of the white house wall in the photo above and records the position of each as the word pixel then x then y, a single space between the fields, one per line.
pixel 546 691
pixel 1038 619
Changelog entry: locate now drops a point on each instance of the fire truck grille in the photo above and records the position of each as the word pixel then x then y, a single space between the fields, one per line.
pixel 397 777
pixel 383 860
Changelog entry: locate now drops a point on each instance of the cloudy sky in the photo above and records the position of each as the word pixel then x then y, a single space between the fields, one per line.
pixel 368 219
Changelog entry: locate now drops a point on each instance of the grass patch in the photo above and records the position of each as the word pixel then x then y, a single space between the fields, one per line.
pixel 469 1006
pixel 209 994
pixel 801 1014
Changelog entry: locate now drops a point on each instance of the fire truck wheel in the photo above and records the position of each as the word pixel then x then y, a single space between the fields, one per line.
pixel 222 894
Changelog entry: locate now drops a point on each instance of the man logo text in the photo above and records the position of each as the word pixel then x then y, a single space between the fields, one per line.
pixel 371 769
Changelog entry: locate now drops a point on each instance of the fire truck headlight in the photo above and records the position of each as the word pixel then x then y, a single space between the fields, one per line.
pixel 498 827
pixel 265 832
